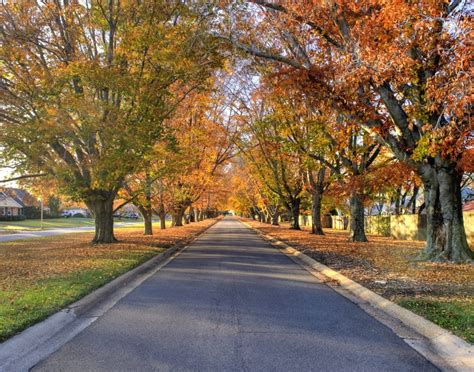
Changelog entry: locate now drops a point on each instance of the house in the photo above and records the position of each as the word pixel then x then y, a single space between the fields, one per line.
pixel 30 204
pixel 10 209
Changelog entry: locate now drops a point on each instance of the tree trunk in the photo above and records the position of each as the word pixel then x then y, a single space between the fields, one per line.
pixel 413 200
pixel 162 216
pixel 268 217
pixel 316 226
pixel 147 219
pixel 192 216
pixel 101 207
pixel 397 202
pixel 357 219
pixel 201 215
pixel 316 189
pixel 446 238
pixel 146 210
pixel 275 217
pixel 178 217
pixel 147 215
pixel 295 214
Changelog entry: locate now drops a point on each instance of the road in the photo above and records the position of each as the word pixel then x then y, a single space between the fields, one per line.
pixel 230 302
pixel 52 232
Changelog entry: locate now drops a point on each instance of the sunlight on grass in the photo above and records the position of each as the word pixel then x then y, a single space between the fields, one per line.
pixel 22 306
pixel 54 223
pixel 47 223
pixel 457 316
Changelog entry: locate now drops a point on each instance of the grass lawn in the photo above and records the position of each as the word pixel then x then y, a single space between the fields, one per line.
pixel 455 315
pixel 440 292
pixel 40 276
pixel 47 223
pixel 51 223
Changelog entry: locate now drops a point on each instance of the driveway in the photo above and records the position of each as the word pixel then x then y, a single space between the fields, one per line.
pixel 231 302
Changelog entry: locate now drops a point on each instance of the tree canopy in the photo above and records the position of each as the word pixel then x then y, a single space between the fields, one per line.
pixel 274 109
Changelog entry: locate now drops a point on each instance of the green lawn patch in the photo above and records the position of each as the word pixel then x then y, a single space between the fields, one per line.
pixel 22 306
pixel 49 223
pixel 54 223
pixel 456 316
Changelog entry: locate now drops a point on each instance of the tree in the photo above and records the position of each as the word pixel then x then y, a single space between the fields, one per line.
pixel 54 204
pixel 327 141
pixel 245 197
pixel 316 185
pixel 186 166
pixel 86 86
pixel 276 165
pixel 401 72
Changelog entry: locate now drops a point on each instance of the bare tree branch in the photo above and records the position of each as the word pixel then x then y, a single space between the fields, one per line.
pixel 23 177
pixel 253 50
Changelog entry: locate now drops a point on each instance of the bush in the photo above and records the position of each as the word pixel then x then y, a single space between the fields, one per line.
pixel 31 212
pixel 54 205
pixel 78 215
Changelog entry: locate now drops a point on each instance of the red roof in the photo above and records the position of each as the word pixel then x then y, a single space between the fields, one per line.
pixel 468 207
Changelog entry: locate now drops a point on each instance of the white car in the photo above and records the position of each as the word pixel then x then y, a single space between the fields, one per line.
pixel 132 215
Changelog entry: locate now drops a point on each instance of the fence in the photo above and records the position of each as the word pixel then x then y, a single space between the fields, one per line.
pixel 402 227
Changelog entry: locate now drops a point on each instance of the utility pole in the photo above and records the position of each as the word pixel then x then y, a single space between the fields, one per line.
pixel 41 200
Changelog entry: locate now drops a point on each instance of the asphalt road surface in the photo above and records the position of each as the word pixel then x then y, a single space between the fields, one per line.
pixel 233 303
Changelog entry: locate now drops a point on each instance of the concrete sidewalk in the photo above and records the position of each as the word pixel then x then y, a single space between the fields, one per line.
pixel 231 302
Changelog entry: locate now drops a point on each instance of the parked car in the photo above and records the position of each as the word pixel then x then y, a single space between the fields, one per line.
pixel 75 212
pixel 132 215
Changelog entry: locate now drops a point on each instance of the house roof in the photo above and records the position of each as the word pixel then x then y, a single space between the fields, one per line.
pixel 19 195
pixel 7 201
pixel 469 206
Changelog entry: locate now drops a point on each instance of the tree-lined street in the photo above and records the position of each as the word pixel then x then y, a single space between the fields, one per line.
pixel 343 128
pixel 230 302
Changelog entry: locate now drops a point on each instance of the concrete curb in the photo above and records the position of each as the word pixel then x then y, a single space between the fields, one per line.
pixel 26 349
pixel 455 352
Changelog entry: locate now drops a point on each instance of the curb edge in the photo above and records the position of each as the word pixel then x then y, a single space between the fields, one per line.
pixel 457 353
pixel 20 348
